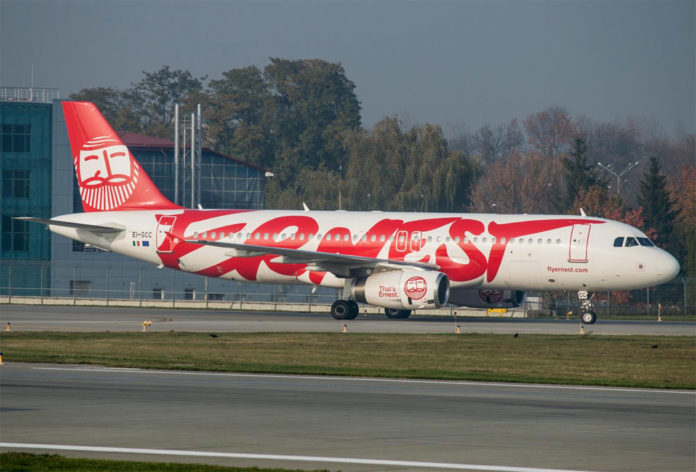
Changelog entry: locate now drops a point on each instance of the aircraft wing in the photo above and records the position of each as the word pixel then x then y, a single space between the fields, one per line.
pixel 342 265
pixel 70 224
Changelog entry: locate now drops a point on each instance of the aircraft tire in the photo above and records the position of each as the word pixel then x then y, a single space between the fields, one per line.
pixel 394 314
pixel 341 310
pixel 354 310
pixel 589 317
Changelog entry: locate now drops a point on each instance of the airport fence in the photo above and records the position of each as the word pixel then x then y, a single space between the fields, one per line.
pixel 151 287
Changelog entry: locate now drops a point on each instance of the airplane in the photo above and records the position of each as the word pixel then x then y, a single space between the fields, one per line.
pixel 398 261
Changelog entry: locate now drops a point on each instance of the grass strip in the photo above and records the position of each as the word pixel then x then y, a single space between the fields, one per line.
pixel 24 462
pixel 624 361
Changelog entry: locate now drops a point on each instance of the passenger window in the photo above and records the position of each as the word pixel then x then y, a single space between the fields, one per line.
pixel 548 241
pixel 540 241
pixel 195 234
pixel 645 242
pixel 531 241
pixel 328 237
pixel 381 238
pixel 558 241
pixel 310 237
pixel 373 238
pixel 257 236
pixel 484 240
pixel 630 242
pixel 204 235
pixel 301 236
pixel 618 242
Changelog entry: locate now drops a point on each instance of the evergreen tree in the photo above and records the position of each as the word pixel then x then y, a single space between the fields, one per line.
pixel 579 176
pixel 658 208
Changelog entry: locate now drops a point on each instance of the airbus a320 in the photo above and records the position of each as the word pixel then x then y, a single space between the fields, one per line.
pixel 395 260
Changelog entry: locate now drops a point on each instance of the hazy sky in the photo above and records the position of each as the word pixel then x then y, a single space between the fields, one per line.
pixel 455 63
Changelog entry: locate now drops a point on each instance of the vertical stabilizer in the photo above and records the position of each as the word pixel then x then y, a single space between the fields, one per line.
pixel 108 175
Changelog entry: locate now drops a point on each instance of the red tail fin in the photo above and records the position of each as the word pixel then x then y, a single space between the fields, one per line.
pixel 108 175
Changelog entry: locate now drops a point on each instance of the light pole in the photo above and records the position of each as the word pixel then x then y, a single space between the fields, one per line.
pixel 619 174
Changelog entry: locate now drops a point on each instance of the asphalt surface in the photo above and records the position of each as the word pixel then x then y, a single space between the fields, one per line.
pixel 69 318
pixel 470 426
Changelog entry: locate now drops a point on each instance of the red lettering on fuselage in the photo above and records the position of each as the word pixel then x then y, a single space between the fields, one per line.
pixel 402 238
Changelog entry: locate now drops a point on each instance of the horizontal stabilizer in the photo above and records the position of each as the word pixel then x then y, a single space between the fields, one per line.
pixel 70 224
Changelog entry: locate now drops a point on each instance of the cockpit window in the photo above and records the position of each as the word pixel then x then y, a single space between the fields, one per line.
pixel 645 242
pixel 630 242
pixel 618 242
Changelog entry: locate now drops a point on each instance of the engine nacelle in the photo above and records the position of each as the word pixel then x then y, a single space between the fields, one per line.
pixel 487 298
pixel 402 289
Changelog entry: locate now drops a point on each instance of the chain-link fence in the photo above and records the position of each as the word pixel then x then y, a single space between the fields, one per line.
pixel 675 297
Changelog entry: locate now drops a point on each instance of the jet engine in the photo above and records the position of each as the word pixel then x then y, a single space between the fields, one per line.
pixel 487 298
pixel 402 289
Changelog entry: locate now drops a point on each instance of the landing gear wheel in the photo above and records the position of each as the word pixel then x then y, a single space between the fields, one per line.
pixel 345 309
pixel 394 314
pixel 354 310
pixel 589 317
pixel 340 309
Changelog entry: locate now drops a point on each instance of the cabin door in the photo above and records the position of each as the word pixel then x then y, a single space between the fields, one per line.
pixel 579 240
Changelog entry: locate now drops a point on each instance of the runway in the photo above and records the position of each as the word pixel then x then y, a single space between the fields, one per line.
pixel 366 424
pixel 69 318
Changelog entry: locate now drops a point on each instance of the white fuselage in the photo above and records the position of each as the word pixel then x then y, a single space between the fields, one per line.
pixel 522 252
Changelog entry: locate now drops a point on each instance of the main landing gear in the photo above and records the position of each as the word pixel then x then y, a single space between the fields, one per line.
pixel 396 314
pixel 345 309
pixel 586 314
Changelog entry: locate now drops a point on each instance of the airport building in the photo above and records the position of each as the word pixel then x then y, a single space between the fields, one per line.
pixel 38 180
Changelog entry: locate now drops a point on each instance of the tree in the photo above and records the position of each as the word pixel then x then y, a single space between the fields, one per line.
pixel 113 104
pixel 239 116
pixel 314 106
pixel 658 208
pixel 550 132
pixel 154 97
pixel 578 174
pixel 597 201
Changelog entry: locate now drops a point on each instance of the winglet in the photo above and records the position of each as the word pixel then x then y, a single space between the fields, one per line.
pixel 304 205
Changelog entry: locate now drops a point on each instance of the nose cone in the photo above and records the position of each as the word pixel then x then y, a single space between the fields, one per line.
pixel 667 267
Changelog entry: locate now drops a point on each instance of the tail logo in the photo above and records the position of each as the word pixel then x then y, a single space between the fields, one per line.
pixel 106 173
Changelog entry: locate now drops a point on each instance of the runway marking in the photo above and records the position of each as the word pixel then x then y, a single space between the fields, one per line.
pixel 282 457
pixel 371 379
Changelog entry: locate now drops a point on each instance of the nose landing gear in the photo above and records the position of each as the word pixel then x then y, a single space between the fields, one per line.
pixel 587 315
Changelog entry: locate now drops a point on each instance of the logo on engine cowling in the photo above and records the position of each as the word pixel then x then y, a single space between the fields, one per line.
pixel 491 296
pixel 415 288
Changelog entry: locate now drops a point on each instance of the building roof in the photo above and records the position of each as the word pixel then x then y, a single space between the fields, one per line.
pixel 144 142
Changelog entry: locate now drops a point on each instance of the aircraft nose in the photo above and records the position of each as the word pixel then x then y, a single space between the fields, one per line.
pixel 667 267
